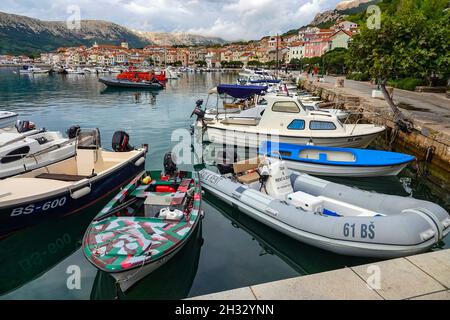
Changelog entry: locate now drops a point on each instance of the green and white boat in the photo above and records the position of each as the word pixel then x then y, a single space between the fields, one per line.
pixel 144 225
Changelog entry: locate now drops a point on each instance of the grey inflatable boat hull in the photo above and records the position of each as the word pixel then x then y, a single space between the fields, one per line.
pixel 408 226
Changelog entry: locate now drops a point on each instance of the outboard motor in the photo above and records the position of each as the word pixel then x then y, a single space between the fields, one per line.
pixel 73 131
pixel 198 111
pixel 276 178
pixel 24 126
pixel 225 159
pixel 169 164
pixel 121 142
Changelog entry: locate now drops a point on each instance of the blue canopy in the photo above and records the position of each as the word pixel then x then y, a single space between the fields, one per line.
pixel 265 81
pixel 240 92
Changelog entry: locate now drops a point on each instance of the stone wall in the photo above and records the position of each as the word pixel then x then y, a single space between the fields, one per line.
pixel 431 148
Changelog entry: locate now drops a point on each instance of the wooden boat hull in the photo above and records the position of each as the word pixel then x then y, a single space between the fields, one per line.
pixel 24 214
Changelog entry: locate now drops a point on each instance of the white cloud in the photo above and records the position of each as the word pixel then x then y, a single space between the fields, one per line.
pixel 229 19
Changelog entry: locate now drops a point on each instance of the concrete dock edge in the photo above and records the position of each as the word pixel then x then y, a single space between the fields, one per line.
pixel 420 277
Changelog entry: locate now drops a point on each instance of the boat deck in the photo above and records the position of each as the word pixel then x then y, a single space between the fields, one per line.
pixel 20 187
pixel 59 176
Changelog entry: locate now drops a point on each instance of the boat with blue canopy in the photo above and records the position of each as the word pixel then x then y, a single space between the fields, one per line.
pixel 240 92
pixel 272 81
pixel 332 161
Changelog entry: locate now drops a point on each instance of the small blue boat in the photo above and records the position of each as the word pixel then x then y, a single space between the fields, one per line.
pixel 339 162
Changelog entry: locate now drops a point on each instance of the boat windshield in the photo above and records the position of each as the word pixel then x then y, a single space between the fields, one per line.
pixel 302 105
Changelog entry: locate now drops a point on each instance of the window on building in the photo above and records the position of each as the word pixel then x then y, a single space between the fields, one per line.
pixel 322 125
pixel 285 106
pixel 297 125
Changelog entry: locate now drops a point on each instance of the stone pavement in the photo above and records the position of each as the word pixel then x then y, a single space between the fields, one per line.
pixel 421 277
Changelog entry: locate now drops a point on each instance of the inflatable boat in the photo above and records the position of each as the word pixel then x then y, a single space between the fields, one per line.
pixel 337 218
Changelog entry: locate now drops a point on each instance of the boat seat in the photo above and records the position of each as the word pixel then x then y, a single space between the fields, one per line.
pixel 245 165
pixel 249 178
pixel 61 177
pixel 231 106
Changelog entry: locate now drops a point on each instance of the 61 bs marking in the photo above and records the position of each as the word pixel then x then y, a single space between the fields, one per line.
pixel 32 208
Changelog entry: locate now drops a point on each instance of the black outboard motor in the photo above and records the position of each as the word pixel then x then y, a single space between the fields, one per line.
pixel 121 142
pixel 198 111
pixel 225 159
pixel 169 164
pixel 73 131
pixel 24 126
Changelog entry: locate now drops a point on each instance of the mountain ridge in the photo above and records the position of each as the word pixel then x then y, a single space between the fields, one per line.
pixel 24 35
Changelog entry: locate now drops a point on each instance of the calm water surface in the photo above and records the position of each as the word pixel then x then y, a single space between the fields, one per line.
pixel 229 251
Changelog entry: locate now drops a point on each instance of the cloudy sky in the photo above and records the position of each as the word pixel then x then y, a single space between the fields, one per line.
pixel 229 19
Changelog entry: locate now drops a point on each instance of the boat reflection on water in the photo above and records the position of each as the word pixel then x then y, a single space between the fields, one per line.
pixel 301 257
pixel 136 95
pixel 31 252
pixel 173 281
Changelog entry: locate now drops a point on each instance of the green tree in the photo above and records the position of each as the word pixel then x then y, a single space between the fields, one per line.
pixel 412 42
pixel 200 63
pixel 254 63
pixel 296 63
pixel 334 61
pixel 271 64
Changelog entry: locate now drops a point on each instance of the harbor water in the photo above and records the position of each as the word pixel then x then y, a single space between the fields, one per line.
pixel 229 251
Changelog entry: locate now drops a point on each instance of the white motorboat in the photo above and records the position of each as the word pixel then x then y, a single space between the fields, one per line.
pixel 101 70
pixel 90 70
pixel 7 119
pixel 314 104
pixel 286 120
pixel 25 151
pixel 116 70
pixel 68 186
pixel 26 69
pixel 75 71
pixel 249 97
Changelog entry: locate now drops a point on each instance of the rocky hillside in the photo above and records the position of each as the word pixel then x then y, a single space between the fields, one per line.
pixel 24 35
pixel 349 4
pixel 343 9
pixel 19 34
pixel 178 38
pixel 326 17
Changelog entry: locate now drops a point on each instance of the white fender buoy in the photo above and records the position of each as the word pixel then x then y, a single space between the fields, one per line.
pixel 80 193
pixel 139 161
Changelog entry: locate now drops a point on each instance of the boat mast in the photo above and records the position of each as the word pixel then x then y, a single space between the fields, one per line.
pixel 277 57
